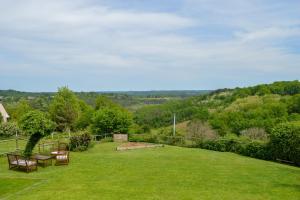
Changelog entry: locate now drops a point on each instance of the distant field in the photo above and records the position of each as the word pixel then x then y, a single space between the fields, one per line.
pixel 161 173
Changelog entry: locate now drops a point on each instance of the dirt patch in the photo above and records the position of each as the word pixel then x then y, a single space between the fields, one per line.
pixel 137 145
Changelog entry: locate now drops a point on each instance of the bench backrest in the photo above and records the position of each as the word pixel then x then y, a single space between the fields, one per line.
pixel 12 157
pixel 62 146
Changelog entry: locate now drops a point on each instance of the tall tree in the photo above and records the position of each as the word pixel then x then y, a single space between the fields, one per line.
pixel 64 109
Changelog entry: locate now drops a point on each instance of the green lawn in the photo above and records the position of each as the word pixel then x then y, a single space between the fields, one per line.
pixel 161 173
pixel 9 146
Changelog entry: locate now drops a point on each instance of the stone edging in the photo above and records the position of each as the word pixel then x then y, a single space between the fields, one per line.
pixel 139 147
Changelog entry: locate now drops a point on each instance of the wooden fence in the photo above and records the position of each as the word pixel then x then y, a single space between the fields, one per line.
pixel 18 143
pixel 11 145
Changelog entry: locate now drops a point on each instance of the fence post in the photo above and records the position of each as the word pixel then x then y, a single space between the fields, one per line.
pixel 17 142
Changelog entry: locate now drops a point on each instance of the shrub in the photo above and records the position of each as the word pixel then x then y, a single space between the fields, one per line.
pixel 231 143
pixel 174 140
pixel 201 130
pixel 285 142
pixel 216 145
pixel 256 149
pixel 294 117
pixel 80 142
pixel 9 129
pixel 255 134
pixel 143 138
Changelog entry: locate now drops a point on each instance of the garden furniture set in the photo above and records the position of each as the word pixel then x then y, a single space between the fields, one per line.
pixel 61 156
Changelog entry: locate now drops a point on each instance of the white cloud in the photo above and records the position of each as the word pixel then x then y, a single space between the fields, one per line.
pixel 61 36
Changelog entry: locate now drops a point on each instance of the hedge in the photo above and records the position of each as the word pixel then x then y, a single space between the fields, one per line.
pixel 285 142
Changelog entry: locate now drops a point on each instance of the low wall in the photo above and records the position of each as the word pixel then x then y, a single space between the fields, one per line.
pixel 120 137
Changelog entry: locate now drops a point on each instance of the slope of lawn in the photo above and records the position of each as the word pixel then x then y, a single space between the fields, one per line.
pixel 161 173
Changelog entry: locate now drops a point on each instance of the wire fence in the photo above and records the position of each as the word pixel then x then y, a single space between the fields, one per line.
pixel 97 138
pixel 12 145
pixel 18 143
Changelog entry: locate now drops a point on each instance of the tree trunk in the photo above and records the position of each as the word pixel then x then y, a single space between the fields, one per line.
pixel 33 140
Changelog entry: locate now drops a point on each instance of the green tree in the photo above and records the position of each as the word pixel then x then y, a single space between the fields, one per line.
pixel 85 115
pixel 201 114
pixel 294 105
pixel 104 102
pixel 16 111
pixel 64 109
pixel 263 90
pixel 36 125
pixel 111 120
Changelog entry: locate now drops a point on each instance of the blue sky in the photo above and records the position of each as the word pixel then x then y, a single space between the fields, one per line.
pixel 99 45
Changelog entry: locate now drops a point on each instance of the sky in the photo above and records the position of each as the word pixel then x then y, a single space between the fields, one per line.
pixel 115 45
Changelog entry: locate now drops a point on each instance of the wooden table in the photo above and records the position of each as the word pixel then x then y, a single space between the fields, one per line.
pixel 43 160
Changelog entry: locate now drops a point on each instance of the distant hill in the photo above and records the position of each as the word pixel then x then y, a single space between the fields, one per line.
pixel 152 93
pixel 161 93
pixel 129 99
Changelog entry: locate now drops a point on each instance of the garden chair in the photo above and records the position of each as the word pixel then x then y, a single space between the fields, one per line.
pixel 62 158
pixel 16 161
pixel 62 146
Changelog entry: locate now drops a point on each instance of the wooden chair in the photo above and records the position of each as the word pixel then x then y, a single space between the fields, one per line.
pixel 62 146
pixel 16 161
pixel 62 158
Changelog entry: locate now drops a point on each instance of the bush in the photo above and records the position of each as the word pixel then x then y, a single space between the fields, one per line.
pixel 201 130
pixel 212 145
pixel 9 129
pixel 285 142
pixel 255 134
pixel 143 138
pixel 174 140
pixel 80 142
pixel 231 143
pixel 256 149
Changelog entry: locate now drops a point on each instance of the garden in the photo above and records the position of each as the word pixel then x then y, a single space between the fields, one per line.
pixel 198 160
pixel 159 173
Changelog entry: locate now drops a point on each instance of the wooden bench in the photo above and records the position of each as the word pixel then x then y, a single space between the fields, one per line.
pixel 16 161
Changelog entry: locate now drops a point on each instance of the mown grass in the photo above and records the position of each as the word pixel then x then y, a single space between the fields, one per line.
pixel 9 145
pixel 161 173
pixel 11 186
